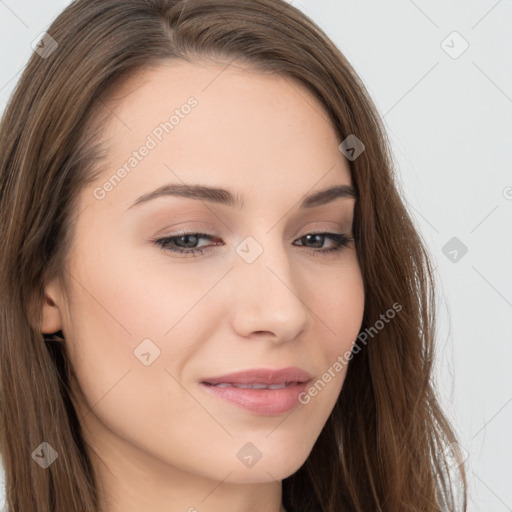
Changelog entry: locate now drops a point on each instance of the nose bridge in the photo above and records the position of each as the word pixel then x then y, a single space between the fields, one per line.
pixel 268 296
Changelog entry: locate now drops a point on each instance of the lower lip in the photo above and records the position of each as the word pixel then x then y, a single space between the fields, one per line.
pixel 266 402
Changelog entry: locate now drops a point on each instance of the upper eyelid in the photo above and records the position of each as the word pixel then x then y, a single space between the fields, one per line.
pixel 323 231
pixel 209 227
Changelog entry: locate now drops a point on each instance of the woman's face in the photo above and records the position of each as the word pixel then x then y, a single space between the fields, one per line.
pixel 146 326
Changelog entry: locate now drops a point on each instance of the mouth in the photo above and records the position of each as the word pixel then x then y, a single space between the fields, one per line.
pixel 261 376
pixel 260 391
pixel 252 386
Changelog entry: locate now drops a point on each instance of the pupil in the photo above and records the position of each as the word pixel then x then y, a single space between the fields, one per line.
pixel 187 237
pixel 318 239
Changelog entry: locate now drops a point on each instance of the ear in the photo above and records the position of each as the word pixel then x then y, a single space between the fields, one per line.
pixel 51 320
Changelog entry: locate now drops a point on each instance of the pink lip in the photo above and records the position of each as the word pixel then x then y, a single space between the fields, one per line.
pixel 262 376
pixel 265 402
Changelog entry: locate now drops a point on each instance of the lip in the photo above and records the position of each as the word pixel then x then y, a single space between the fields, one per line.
pixel 262 376
pixel 265 402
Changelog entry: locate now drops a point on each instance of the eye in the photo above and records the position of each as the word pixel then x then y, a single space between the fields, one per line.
pixel 186 243
pixel 341 240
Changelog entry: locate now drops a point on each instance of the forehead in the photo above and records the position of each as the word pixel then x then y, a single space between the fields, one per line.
pixel 222 124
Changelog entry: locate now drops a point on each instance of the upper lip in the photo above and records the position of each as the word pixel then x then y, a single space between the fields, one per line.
pixel 262 376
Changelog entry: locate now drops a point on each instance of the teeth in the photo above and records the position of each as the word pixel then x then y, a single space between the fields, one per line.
pixel 251 386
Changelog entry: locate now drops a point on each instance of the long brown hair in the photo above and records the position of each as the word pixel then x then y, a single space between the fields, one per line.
pixel 384 446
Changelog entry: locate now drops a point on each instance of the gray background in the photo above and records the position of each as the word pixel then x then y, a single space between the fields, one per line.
pixel 450 124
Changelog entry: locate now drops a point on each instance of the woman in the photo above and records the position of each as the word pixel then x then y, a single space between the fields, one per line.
pixel 213 297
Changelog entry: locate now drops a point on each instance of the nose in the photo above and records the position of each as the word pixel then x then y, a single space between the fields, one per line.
pixel 267 299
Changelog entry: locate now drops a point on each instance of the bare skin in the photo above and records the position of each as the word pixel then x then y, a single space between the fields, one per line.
pixel 162 443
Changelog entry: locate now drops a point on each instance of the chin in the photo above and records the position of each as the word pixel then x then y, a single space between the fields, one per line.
pixel 274 463
pixel 263 473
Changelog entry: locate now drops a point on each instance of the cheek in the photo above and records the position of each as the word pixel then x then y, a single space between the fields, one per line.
pixel 345 312
pixel 120 299
pixel 132 327
pixel 130 371
pixel 337 301
pixel 339 308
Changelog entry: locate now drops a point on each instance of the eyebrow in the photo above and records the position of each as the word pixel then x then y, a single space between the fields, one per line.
pixel 225 197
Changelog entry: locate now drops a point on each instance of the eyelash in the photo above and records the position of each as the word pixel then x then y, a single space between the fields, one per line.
pixel 342 239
